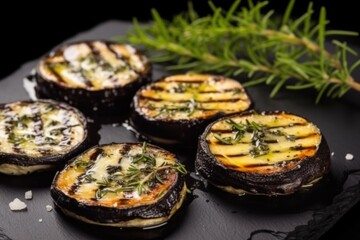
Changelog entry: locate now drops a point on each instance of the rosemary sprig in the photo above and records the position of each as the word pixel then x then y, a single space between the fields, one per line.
pixel 253 42
pixel 258 133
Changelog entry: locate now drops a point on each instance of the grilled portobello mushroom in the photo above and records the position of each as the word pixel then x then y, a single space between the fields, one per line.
pixel 93 75
pixel 176 109
pixel 121 185
pixel 39 135
pixel 272 153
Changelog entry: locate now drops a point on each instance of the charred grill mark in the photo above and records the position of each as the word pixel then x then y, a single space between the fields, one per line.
pixel 162 89
pixel 81 179
pixel 75 187
pixel 84 79
pixel 154 99
pixel 96 154
pixel 58 77
pixel 113 169
pixel 234 155
pixel 288 126
pixel 66 138
pixel 294 148
pixel 123 59
pixel 270 141
pixel 38 124
pixel 79 73
pixel 223 100
pixel 124 150
pixel 306 136
pixel 256 165
pixel 124 201
pixel 186 101
pixel 235 90
pixel 299 147
pixel 157 88
pixel 8 126
pixel 185 81
pixel 268 127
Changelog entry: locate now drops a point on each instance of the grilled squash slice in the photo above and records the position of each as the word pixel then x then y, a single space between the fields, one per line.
pixel 176 109
pixel 271 153
pixel 121 185
pixel 39 135
pixel 93 74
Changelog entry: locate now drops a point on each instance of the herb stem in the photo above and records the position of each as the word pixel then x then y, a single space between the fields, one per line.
pixel 246 40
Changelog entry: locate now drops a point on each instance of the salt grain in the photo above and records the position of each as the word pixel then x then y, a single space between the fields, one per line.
pixel 349 157
pixel 49 208
pixel 17 205
pixel 28 195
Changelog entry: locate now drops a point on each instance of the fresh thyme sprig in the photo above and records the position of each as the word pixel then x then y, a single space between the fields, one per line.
pixel 251 41
pixel 141 175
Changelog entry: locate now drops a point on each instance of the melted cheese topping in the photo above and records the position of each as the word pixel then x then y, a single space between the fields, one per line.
pixel 280 142
pixel 36 129
pixel 192 97
pixel 94 65
pixel 103 179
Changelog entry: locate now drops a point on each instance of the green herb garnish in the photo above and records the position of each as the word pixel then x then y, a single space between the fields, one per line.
pixel 254 41
pixel 170 110
pixel 81 164
pixel 141 175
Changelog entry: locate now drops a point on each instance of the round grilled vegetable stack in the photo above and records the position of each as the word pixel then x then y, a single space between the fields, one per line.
pixel 39 135
pixel 176 109
pixel 271 153
pixel 93 74
pixel 121 185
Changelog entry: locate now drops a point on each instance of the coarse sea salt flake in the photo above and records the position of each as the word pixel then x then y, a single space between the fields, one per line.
pixel 17 205
pixel 349 156
pixel 28 195
pixel 49 208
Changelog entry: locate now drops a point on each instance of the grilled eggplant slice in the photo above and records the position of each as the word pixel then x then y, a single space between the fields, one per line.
pixel 39 135
pixel 176 109
pixel 121 185
pixel 272 153
pixel 93 74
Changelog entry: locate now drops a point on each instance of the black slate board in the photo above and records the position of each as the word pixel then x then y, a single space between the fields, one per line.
pixel 211 214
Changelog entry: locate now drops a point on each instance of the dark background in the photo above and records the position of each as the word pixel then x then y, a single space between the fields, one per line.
pixel 28 31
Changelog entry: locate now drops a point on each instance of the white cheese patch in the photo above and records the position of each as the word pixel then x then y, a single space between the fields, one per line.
pixel 17 205
pixel 71 53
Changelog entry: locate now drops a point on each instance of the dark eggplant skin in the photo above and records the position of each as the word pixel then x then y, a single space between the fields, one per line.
pixel 104 99
pixel 54 160
pixel 99 214
pixel 175 131
pixel 280 183
pixel 179 132
pixel 106 215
